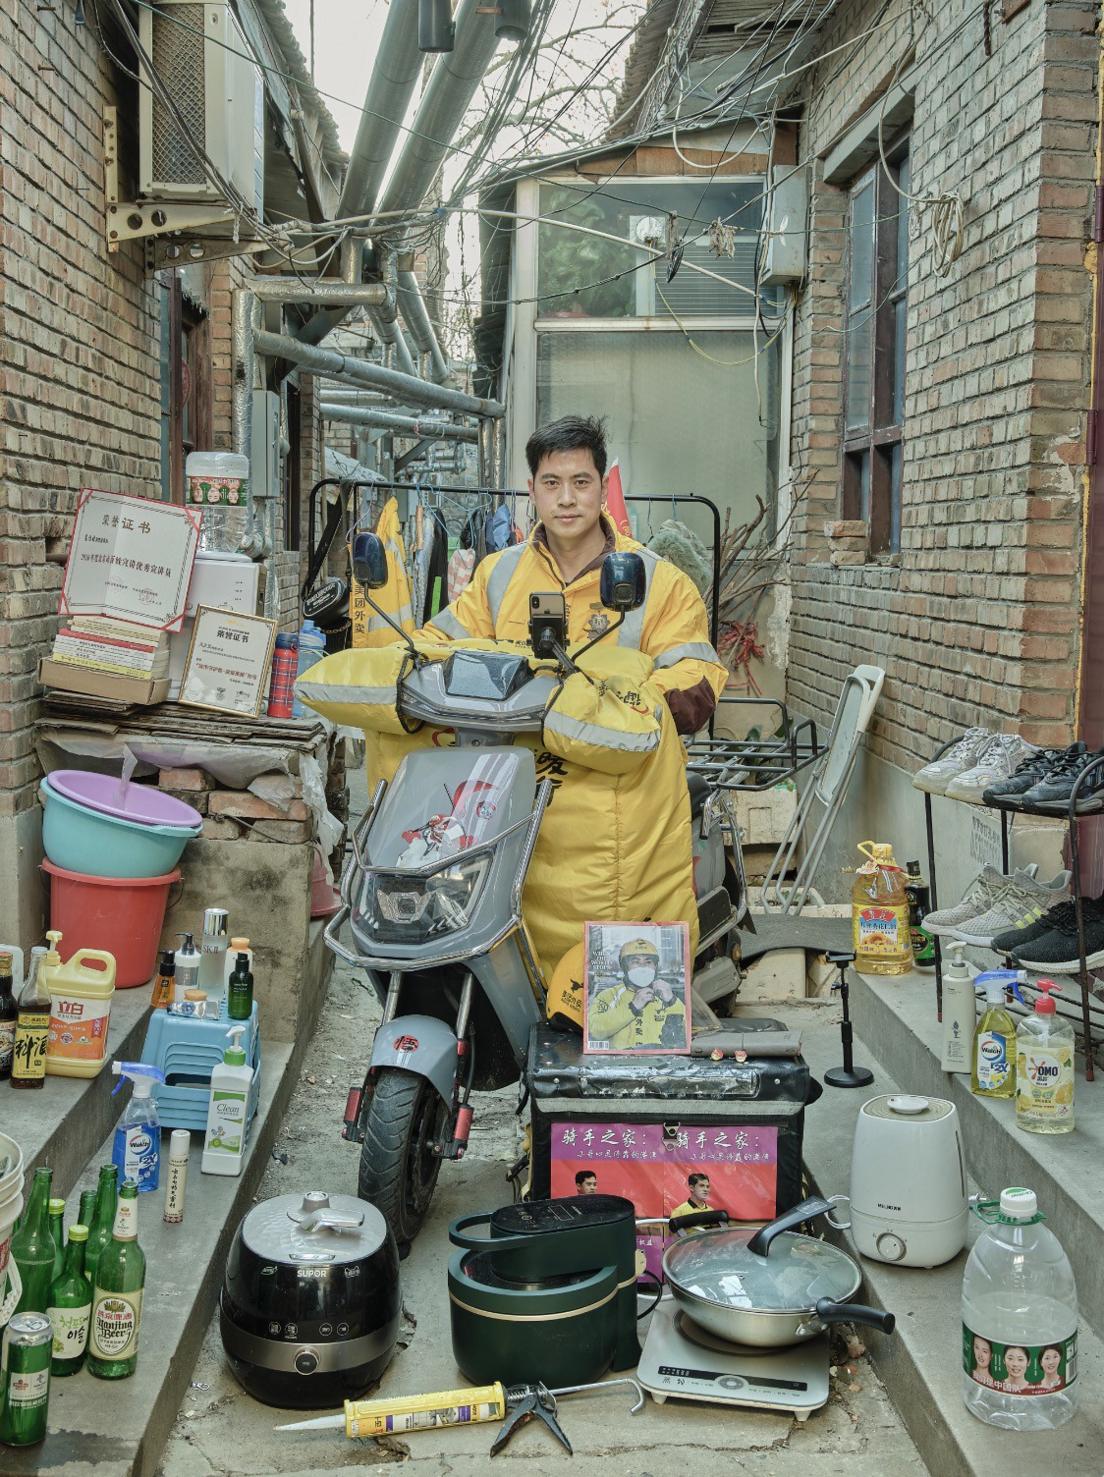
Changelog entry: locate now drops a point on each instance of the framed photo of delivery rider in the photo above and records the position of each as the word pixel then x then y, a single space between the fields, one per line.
pixel 635 997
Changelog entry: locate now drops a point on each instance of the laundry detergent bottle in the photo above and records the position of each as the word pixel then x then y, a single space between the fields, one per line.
pixel 880 913
pixel 136 1148
pixel 1019 1321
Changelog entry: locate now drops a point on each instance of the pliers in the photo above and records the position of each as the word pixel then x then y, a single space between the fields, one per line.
pixel 526 1403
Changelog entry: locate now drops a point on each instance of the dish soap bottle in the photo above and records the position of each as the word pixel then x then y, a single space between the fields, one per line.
pixel 136 1149
pixel 959 1012
pixel 224 1145
pixel 880 914
pixel 1019 1320
pixel 993 1066
pixel 1044 1068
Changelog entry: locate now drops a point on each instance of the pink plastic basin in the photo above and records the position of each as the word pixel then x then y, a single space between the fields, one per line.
pixel 142 804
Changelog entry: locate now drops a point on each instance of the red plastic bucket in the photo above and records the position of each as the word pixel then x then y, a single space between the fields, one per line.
pixel 122 915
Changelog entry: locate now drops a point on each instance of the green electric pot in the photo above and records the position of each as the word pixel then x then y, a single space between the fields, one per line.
pixel 549 1295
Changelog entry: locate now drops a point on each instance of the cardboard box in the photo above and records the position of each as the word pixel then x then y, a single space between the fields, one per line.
pixel 139 690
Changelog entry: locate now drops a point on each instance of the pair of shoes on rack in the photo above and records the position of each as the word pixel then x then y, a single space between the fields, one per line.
pixel 995 904
pixel 1050 942
pixel 974 764
pixel 1045 780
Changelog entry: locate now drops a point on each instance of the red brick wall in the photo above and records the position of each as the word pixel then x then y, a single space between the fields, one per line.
pixel 976 620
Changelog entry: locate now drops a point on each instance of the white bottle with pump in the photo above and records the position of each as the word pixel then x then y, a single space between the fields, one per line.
pixel 959 1013
pixel 227 1115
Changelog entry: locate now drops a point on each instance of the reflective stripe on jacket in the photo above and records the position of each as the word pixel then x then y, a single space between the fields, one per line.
pixel 671 626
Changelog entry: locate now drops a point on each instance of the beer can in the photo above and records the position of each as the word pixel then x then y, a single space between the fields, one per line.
pixel 25 1379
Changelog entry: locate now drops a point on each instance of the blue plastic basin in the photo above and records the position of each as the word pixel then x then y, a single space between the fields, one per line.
pixel 101 845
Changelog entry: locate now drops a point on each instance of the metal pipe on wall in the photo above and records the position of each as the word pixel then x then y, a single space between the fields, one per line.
pixel 390 88
pixel 330 294
pixel 411 305
pixel 388 331
pixel 358 372
pixel 407 425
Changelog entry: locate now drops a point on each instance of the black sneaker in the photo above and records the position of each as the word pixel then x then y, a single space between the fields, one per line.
pixel 1016 938
pixel 1034 768
pixel 1053 792
pixel 1056 951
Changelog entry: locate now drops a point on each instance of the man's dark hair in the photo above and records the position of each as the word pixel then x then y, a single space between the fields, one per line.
pixel 569 433
pixel 585 1174
pixel 696 1179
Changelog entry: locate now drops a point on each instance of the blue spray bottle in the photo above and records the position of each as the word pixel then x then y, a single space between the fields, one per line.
pixel 136 1150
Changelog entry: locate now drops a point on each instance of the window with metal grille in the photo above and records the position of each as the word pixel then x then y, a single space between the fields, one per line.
pixel 874 349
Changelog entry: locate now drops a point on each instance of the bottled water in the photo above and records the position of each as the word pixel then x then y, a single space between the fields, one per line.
pixel 1019 1321
pixel 218 488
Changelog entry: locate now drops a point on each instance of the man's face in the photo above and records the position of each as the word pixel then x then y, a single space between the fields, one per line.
pixel 699 1193
pixel 568 495
pixel 589 1186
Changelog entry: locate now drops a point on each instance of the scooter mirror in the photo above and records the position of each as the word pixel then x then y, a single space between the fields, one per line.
pixel 622 584
pixel 369 561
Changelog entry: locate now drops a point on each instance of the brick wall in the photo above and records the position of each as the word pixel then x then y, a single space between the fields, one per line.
pixel 79 376
pixel 977 618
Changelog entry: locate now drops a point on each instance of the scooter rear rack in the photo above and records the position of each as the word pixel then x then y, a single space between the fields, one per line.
pixel 760 763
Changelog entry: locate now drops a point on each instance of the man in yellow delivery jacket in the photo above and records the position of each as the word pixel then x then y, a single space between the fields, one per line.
pixel 642 1009
pixel 567 461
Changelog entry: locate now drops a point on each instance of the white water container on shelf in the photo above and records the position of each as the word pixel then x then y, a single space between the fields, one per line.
pixel 218 485
pixel 1019 1320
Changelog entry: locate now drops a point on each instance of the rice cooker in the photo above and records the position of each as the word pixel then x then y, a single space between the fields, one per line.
pixel 310 1305
pixel 908 1181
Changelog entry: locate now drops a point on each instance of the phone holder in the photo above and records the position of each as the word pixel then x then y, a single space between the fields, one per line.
pixel 848 1075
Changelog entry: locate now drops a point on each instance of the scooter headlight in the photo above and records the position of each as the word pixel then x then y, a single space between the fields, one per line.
pixel 410 910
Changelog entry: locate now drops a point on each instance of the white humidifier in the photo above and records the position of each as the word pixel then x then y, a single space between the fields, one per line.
pixel 908 1182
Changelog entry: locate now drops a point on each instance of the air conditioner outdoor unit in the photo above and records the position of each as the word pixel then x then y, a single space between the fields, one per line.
pixel 200 56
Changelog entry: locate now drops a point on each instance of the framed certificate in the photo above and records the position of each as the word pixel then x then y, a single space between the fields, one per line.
pixel 228 661
pixel 635 994
pixel 130 559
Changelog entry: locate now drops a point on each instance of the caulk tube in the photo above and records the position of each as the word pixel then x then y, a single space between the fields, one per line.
pixel 959 1013
pixel 179 1147
pixel 136 1148
pixel 401 1413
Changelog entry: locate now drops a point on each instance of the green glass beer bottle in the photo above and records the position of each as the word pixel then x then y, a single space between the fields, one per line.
pixel 117 1300
pixel 32 1247
pixel 70 1308
pixel 103 1219
pixel 87 1212
pixel 56 1211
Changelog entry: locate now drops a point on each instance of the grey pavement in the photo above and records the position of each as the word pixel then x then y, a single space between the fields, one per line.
pixel 221 1430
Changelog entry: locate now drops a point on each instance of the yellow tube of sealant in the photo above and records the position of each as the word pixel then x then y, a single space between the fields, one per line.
pixel 413 1412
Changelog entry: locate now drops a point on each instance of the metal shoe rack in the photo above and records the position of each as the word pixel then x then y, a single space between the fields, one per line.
pixel 755 764
pixel 1077 809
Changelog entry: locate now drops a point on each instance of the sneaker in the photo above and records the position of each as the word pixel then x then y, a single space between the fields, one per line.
pixel 979 896
pixel 1008 793
pixel 1016 938
pixel 1054 790
pixel 1020 903
pixel 963 754
pixel 1002 755
pixel 1056 951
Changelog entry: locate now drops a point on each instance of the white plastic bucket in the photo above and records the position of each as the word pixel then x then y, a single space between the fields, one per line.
pixel 11 1207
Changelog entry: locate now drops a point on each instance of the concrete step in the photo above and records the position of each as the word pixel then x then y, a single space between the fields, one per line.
pixel 119 1428
pixel 62 1123
pixel 896 1020
pixel 921 1362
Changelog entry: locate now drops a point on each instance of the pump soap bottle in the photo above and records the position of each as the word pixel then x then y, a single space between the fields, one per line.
pixel 959 1012
pixel 228 1114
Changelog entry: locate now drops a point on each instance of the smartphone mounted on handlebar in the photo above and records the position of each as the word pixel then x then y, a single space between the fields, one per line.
pixel 547 623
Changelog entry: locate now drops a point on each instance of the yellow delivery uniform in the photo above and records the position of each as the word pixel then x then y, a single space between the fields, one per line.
pixel 671 626
pixel 612 1017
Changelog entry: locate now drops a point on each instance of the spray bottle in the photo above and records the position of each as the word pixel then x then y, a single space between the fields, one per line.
pixel 136 1150
pixel 959 1012
pixel 227 1115
pixel 993 1068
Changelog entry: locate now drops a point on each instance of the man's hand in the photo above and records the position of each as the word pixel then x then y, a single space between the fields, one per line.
pixel 641 998
pixel 664 992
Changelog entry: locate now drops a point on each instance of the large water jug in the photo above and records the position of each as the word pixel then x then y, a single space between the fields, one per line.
pixel 218 485
pixel 1019 1320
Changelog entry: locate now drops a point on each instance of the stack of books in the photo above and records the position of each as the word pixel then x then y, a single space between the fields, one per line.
pixel 118 648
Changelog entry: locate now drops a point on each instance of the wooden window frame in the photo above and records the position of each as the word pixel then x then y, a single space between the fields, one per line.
pixel 190 401
pixel 882 433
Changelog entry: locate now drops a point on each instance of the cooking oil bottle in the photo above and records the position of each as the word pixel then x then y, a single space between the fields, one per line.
pixel 880 913
pixel 993 1069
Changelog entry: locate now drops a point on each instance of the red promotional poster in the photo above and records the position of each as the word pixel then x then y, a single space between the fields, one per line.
pixel 704 1167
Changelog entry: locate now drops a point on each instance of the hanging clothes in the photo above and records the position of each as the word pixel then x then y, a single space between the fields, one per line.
pixel 460 570
pixel 396 597
pixel 431 562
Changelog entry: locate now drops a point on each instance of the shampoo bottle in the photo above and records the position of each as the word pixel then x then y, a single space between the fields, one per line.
pixel 959 1013
pixel 993 1071
pixel 224 1144
pixel 136 1150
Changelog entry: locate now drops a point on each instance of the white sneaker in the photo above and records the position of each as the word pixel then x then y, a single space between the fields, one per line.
pixel 1022 902
pixel 1004 753
pixel 962 755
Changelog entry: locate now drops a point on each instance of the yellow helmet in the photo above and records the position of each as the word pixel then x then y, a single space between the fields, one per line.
pixel 638 946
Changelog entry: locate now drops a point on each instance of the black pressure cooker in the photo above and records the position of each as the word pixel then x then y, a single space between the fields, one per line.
pixel 309 1312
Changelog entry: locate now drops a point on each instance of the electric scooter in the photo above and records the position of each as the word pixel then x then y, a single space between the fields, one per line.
pixel 432 904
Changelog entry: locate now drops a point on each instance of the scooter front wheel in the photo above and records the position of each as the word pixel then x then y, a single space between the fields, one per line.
pixel 398 1167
